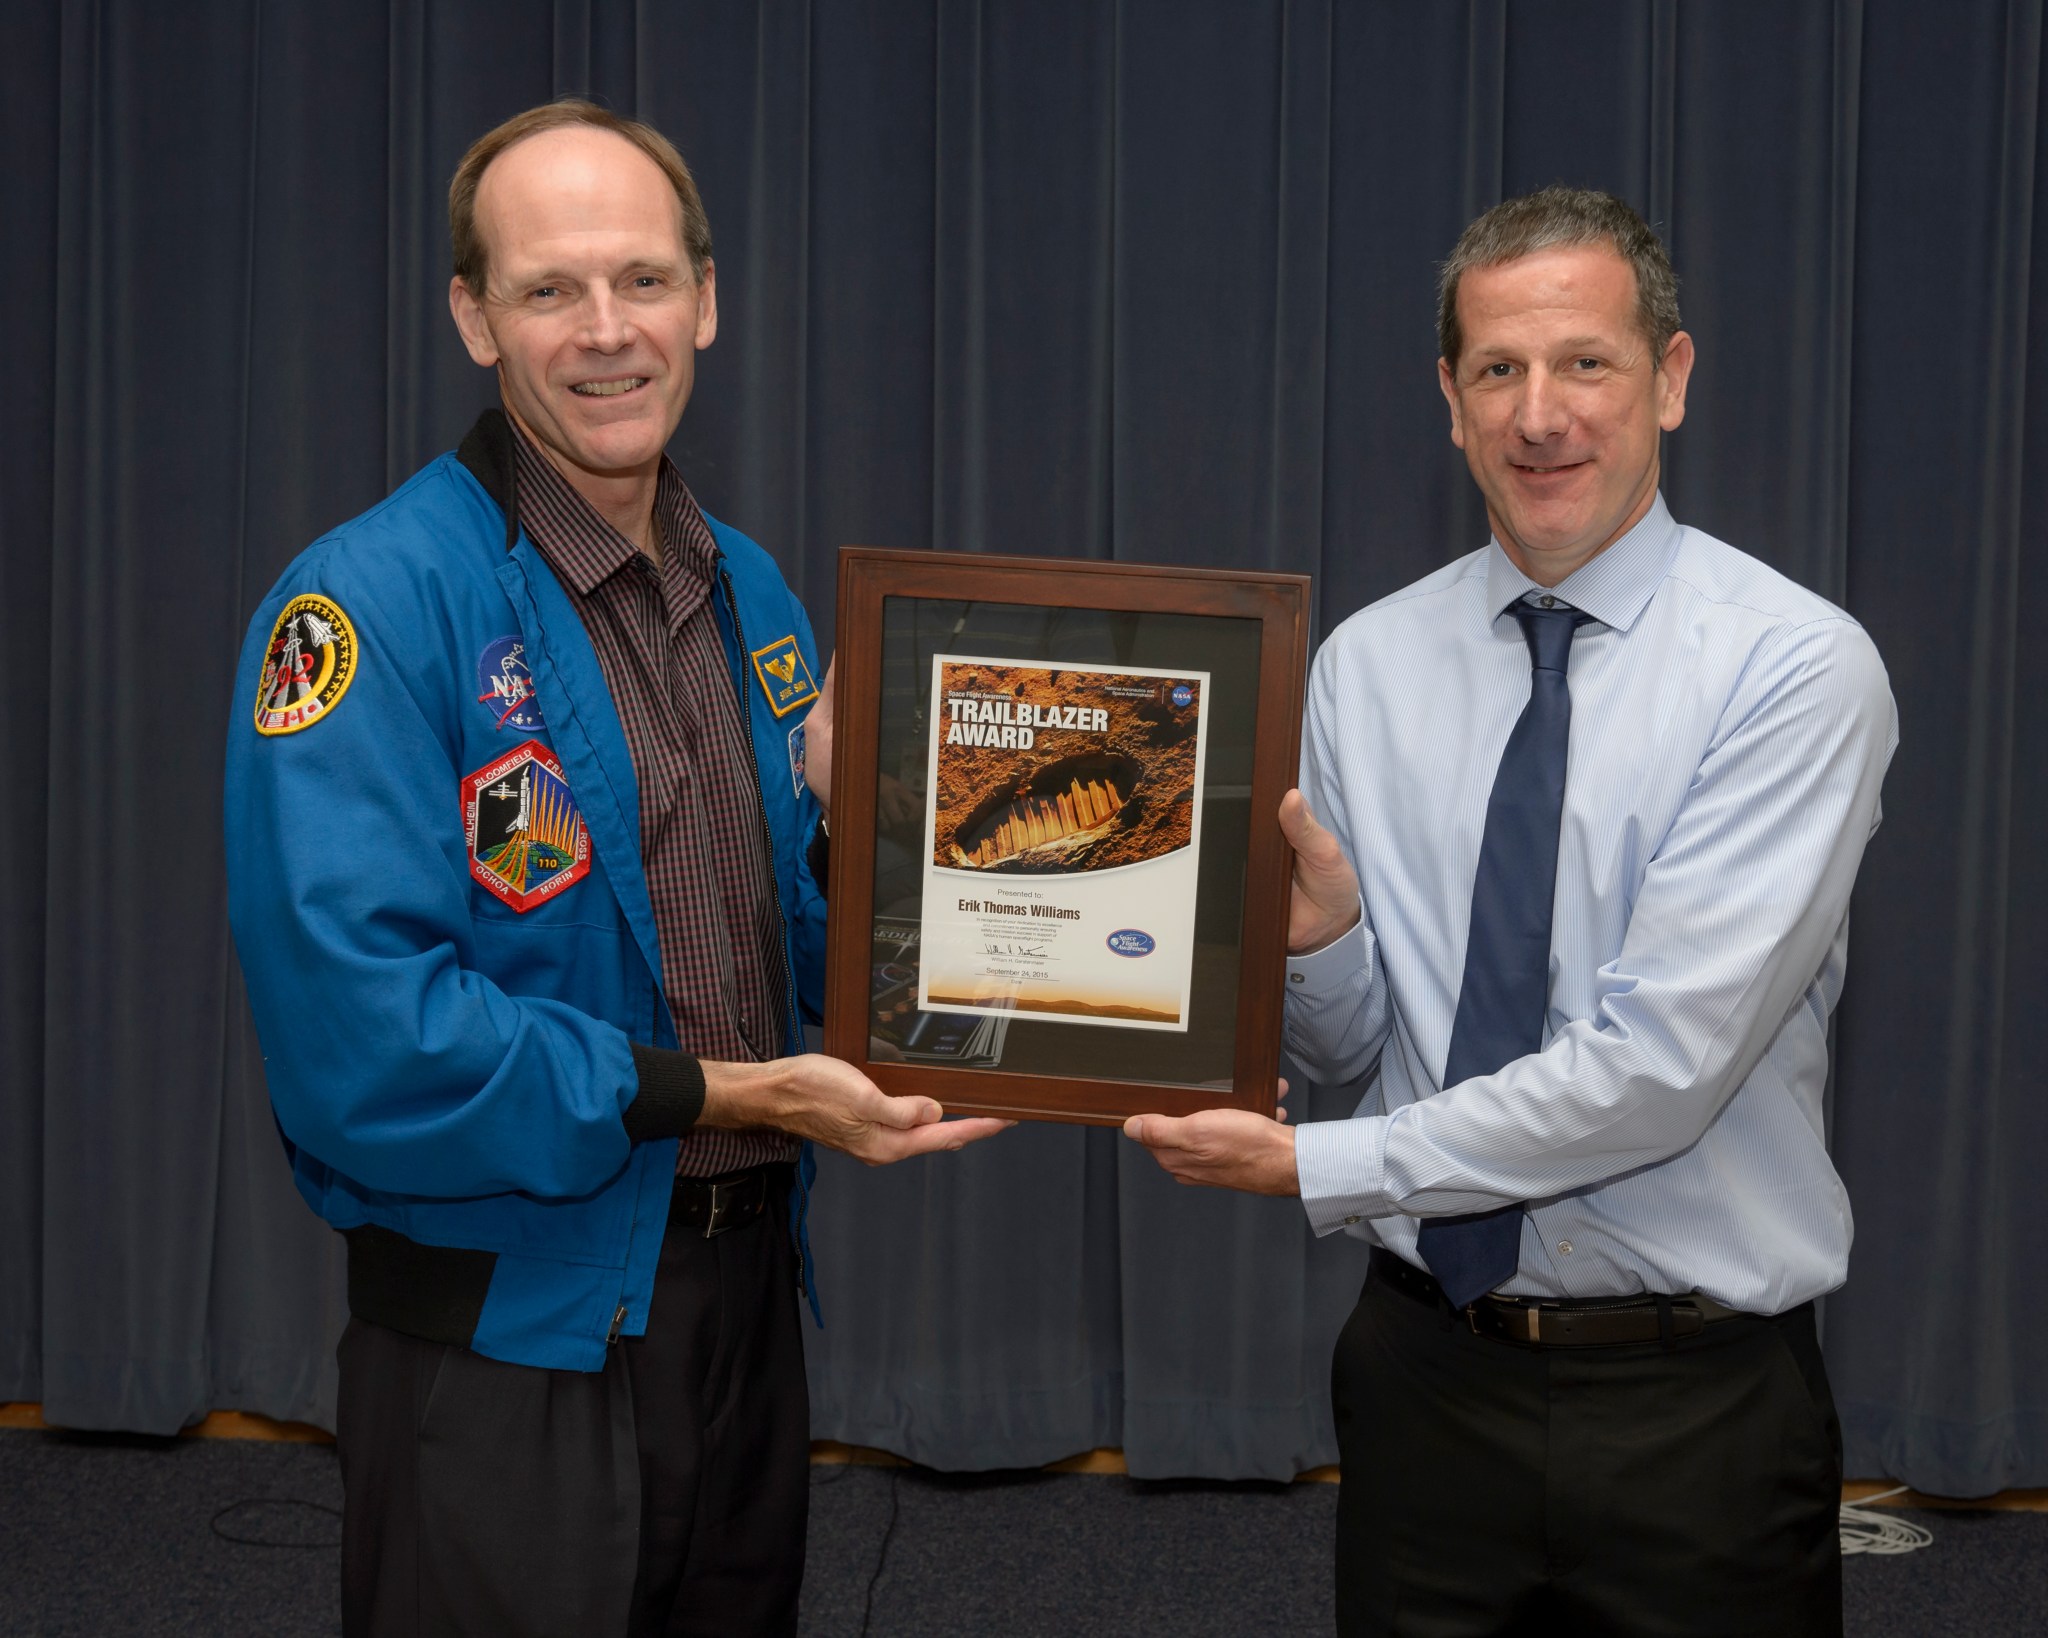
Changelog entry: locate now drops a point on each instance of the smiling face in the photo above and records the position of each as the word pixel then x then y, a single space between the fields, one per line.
pixel 1556 405
pixel 592 315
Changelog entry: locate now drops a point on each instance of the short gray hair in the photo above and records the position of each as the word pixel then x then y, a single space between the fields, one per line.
pixel 1556 218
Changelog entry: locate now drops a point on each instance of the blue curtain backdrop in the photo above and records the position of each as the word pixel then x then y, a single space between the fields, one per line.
pixel 1149 281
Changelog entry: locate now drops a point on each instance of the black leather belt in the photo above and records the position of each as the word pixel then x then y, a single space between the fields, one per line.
pixel 729 1201
pixel 1566 1322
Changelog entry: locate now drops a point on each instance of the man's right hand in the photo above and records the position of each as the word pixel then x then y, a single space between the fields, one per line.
pixel 1324 904
pixel 834 1104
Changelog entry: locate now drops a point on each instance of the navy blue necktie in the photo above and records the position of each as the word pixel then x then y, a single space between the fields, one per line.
pixel 1507 953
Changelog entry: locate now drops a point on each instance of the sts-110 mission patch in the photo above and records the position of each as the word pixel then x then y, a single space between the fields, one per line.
pixel 308 666
pixel 527 841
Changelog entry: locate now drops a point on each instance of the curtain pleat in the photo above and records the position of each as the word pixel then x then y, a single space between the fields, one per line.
pixel 1937 1344
pixel 30 121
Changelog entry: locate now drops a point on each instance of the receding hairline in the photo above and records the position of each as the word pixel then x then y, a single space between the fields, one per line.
pixel 682 258
pixel 468 250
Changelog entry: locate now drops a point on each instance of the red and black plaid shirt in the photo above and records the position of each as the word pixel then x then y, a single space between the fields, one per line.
pixel 701 836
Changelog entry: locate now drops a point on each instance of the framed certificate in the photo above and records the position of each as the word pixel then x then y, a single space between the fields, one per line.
pixel 1058 884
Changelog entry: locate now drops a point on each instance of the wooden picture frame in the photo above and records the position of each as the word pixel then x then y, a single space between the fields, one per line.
pixel 903 616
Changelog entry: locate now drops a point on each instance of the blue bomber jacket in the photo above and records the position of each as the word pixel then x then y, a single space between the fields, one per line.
pixel 435 886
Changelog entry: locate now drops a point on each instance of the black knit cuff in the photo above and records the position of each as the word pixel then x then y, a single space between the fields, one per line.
pixel 819 857
pixel 671 1094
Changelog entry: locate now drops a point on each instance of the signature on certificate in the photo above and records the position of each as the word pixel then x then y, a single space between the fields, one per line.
pixel 1029 952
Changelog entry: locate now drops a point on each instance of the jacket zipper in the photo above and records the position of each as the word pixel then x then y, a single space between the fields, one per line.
pixel 790 1010
pixel 789 1003
pixel 760 807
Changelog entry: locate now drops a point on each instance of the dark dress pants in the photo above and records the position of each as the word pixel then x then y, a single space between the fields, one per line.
pixel 1492 1488
pixel 666 1494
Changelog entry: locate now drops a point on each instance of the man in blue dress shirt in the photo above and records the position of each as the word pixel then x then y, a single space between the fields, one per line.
pixel 1616 1419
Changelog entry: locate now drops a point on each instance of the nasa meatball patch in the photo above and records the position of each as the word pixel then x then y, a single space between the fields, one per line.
pixel 506 686
pixel 307 666
pixel 526 838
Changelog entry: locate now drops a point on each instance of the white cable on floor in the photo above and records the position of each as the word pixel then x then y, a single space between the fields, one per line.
pixel 1866 1530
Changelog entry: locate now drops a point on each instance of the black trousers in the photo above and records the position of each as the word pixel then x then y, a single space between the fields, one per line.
pixel 666 1495
pixel 1495 1488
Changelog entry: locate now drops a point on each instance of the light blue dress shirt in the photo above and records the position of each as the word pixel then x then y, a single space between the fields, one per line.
pixel 1729 734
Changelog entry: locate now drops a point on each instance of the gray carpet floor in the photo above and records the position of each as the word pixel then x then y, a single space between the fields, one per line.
pixel 104 1536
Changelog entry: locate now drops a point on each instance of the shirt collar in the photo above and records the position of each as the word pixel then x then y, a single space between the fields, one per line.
pixel 1614 587
pixel 581 545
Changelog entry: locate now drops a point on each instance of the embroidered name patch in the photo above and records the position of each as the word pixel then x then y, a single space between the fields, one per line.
pixel 506 686
pixel 526 840
pixel 785 679
pixel 308 666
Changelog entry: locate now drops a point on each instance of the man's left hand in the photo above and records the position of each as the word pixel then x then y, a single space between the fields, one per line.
pixel 1222 1149
pixel 896 805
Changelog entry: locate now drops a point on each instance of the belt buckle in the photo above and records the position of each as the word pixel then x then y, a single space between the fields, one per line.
pixel 1532 1310
pixel 724 1202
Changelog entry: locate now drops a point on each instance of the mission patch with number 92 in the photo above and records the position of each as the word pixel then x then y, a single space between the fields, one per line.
pixel 307 667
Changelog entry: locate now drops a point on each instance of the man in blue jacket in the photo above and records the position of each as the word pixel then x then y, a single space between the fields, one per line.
pixel 517 823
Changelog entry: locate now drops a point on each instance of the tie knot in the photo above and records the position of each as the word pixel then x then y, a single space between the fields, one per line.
pixel 1548 632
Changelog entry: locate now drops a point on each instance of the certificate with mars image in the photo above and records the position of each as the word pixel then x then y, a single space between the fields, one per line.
pixel 1063 825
